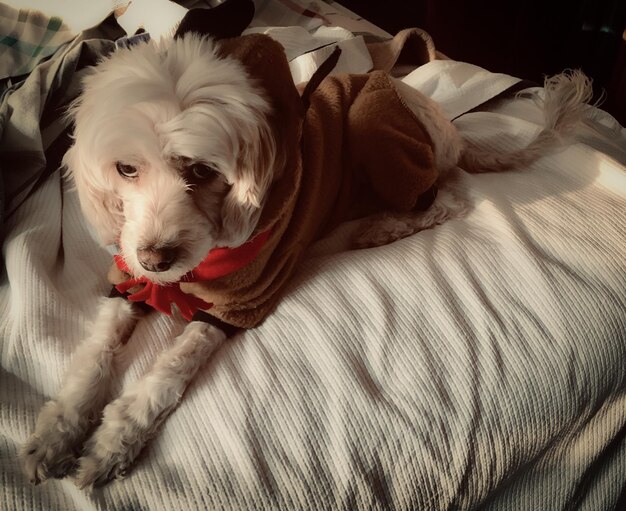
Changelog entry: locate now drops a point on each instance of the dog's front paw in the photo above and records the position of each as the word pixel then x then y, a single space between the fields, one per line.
pixel 51 451
pixel 98 466
pixel 114 446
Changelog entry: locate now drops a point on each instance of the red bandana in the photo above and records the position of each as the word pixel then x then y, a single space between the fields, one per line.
pixel 218 263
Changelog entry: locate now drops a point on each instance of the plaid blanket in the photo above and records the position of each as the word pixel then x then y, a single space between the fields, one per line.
pixel 29 37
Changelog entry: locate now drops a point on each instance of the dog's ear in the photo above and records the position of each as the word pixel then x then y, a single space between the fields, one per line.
pixel 229 19
pixel 276 142
pixel 104 210
pixel 256 167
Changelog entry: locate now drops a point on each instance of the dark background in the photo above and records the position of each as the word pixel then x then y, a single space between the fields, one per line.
pixel 527 38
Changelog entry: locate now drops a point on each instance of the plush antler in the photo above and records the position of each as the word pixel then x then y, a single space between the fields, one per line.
pixel 228 19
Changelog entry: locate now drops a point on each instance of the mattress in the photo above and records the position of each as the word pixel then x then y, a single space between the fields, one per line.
pixel 476 365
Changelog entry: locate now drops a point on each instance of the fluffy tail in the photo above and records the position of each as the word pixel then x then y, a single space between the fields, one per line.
pixel 564 105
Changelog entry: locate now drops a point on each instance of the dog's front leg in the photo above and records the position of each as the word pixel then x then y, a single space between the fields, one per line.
pixel 130 420
pixel 64 421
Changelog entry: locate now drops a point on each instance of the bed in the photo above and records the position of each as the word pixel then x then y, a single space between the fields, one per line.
pixel 476 365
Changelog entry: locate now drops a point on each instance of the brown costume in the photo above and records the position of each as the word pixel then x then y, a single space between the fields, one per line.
pixel 356 129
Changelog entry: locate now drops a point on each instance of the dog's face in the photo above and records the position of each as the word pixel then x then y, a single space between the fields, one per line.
pixel 173 154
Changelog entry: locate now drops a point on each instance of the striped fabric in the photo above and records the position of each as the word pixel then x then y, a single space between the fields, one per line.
pixel 477 365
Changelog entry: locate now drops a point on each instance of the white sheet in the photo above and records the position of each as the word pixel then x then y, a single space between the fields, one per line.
pixel 487 353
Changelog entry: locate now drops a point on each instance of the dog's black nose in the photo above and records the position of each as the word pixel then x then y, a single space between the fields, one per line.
pixel 156 259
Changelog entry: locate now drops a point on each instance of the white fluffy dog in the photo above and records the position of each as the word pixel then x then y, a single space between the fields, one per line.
pixel 151 179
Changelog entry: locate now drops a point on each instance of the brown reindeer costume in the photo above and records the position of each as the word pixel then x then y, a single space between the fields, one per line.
pixel 349 130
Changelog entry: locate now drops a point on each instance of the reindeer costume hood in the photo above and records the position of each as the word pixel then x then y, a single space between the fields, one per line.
pixel 351 130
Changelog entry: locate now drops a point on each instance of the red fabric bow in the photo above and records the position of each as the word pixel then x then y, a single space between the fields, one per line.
pixel 218 263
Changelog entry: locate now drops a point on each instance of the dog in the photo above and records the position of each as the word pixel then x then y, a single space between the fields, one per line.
pixel 177 148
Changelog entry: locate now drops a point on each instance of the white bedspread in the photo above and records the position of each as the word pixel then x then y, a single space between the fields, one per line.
pixel 477 363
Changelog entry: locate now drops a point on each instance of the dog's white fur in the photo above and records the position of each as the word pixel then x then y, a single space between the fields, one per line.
pixel 150 106
pixel 153 107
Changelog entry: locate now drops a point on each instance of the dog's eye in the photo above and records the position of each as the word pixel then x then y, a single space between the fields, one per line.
pixel 126 170
pixel 202 172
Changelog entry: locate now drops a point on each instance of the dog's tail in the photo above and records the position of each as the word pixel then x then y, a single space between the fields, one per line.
pixel 564 106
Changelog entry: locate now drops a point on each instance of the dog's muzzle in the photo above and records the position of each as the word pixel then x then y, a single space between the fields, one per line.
pixel 157 259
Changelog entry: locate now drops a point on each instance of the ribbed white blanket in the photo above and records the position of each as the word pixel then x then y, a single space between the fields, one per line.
pixel 480 363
